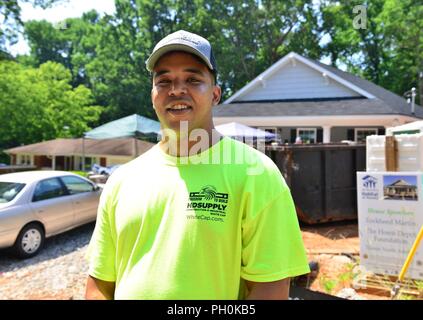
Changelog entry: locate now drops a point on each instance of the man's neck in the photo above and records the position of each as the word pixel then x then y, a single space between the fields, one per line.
pixel 189 145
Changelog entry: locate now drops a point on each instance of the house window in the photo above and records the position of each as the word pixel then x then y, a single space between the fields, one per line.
pixel 308 135
pixel 25 159
pixel 362 133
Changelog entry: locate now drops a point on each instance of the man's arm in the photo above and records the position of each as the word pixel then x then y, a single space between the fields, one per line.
pixel 276 290
pixel 99 290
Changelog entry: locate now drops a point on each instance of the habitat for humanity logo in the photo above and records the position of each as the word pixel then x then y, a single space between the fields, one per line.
pixel 369 190
pixel 208 200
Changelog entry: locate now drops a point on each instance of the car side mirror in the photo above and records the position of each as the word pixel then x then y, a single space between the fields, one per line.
pixel 96 188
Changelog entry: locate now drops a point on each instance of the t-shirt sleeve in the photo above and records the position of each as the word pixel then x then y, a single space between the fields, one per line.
pixel 101 251
pixel 272 246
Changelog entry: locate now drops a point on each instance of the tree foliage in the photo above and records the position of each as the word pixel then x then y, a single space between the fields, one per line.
pixel 108 54
pixel 387 51
pixel 105 55
pixel 39 104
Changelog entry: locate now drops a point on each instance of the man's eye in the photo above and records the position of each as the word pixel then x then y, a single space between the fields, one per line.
pixel 193 80
pixel 163 81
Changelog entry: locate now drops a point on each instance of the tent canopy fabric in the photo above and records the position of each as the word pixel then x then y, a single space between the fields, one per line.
pixel 234 129
pixel 129 126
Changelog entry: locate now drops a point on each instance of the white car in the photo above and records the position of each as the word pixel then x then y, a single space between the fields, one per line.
pixel 104 170
pixel 39 204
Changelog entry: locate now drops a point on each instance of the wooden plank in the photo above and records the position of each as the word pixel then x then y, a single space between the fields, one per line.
pixel 391 153
pixel 382 285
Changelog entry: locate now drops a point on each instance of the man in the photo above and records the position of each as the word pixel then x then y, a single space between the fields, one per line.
pixel 198 216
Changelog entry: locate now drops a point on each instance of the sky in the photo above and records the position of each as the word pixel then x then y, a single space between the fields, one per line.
pixel 388 179
pixel 58 12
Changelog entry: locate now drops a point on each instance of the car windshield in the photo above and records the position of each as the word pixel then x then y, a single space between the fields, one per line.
pixel 9 190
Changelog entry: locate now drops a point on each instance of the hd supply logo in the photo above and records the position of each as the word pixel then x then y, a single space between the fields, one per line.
pixel 208 200
pixel 369 188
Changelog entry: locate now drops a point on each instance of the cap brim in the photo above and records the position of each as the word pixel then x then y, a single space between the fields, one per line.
pixel 155 56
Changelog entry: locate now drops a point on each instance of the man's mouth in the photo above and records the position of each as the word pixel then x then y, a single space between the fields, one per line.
pixel 179 109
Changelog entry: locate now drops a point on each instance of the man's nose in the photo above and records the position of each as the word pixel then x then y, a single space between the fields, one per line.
pixel 178 88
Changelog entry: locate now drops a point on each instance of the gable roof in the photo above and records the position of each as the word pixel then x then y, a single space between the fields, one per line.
pixel 375 99
pixel 401 183
pixel 392 99
pixel 281 63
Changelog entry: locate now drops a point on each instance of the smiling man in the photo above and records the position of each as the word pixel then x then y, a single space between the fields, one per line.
pixel 185 220
pixel 184 92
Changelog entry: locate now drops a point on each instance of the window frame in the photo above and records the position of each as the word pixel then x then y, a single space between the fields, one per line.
pixel 356 130
pixel 308 129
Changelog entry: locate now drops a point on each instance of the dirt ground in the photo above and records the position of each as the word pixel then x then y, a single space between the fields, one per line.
pixel 335 248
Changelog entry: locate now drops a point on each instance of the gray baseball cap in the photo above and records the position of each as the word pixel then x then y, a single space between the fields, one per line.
pixel 183 41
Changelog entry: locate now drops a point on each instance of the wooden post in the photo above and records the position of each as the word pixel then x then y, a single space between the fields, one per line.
pixel 391 153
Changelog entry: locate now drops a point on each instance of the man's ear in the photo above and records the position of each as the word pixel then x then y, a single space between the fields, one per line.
pixel 217 93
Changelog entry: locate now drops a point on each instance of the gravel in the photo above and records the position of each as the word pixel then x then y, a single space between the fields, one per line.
pixel 59 271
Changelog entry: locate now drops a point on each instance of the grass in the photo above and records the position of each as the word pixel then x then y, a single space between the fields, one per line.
pixel 419 285
pixel 328 284
pixel 349 275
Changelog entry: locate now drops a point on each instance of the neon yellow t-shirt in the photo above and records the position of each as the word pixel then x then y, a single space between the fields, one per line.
pixel 192 228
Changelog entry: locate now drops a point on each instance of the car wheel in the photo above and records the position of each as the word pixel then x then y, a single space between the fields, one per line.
pixel 29 242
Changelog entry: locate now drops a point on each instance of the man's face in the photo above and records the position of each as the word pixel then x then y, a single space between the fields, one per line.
pixel 183 90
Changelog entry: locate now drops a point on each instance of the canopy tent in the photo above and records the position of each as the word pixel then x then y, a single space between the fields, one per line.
pixel 234 129
pixel 129 126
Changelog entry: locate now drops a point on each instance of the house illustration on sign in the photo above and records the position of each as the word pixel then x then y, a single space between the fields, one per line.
pixel 400 190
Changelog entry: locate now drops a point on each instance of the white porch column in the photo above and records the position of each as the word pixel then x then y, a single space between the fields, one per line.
pixel 326 134
pixel 53 163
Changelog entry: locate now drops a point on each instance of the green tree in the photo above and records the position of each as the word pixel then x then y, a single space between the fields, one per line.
pixel 71 43
pixel 388 50
pixel 108 54
pixel 39 103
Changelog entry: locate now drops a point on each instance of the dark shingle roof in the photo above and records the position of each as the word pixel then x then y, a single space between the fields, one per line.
pixel 309 108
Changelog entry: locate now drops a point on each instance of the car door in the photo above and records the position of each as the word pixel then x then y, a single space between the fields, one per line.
pixel 84 197
pixel 51 203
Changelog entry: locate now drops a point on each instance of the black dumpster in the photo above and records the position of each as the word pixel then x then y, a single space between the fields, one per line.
pixel 322 178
